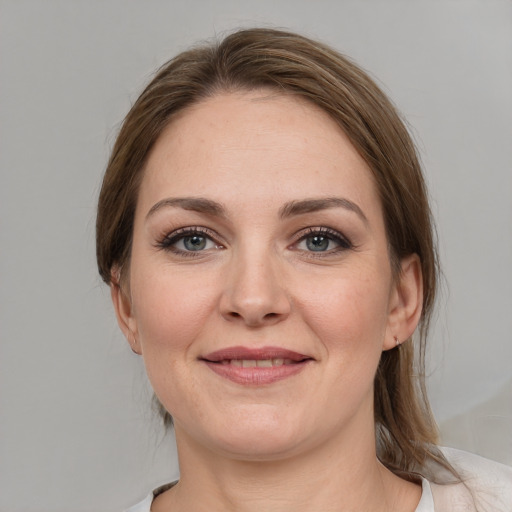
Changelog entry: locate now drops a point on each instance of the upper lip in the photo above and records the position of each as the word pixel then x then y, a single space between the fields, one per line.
pixel 256 354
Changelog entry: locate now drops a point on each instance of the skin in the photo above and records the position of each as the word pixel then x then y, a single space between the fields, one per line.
pixel 306 442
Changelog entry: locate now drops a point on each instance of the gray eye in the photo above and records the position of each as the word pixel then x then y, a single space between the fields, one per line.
pixel 195 242
pixel 318 243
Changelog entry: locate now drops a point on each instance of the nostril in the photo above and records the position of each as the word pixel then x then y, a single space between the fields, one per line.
pixel 254 310
pixel 254 319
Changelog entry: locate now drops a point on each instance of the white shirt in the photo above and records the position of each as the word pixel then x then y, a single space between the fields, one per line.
pixel 487 487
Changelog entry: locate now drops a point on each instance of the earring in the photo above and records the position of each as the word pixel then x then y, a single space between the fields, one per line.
pixel 397 341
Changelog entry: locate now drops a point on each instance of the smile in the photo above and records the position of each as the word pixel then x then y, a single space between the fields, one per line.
pixel 257 363
pixel 256 366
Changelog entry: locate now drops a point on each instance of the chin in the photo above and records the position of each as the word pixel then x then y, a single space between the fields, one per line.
pixel 262 439
pixel 259 448
pixel 252 433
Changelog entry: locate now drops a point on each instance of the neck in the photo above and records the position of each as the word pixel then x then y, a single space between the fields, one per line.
pixel 334 477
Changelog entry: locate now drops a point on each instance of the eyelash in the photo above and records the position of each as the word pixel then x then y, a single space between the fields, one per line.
pixel 168 241
pixel 330 234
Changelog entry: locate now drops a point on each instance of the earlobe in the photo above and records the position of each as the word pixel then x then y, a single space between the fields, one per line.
pixel 124 313
pixel 406 303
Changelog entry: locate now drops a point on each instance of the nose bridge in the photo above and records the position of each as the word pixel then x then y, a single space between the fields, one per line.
pixel 254 290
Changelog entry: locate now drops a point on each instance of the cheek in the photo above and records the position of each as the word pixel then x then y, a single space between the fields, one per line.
pixel 171 312
pixel 348 316
pixel 352 323
pixel 170 309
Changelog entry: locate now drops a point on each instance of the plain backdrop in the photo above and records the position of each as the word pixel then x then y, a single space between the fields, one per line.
pixel 76 426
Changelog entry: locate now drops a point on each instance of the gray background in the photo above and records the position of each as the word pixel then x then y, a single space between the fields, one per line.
pixel 77 431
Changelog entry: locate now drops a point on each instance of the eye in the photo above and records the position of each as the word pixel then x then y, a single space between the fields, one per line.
pixel 193 243
pixel 321 240
pixel 186 241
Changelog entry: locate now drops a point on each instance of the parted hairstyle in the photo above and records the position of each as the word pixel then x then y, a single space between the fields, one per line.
pixel 251 59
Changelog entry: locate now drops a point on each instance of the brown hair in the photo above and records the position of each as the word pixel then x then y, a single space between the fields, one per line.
pixel 264 58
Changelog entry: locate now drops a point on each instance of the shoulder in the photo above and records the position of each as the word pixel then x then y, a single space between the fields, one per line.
pixel 486 485
pixel 145 504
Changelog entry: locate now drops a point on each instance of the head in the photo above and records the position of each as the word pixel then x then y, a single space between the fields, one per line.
pixel 291 65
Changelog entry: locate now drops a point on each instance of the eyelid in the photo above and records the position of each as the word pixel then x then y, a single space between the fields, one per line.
pixel 167 241
pixel 333 234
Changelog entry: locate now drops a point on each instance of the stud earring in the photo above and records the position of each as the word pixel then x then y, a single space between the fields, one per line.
pixel 397 341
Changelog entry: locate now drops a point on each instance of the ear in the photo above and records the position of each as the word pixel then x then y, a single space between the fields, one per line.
pixel 124 313
pixel 406 302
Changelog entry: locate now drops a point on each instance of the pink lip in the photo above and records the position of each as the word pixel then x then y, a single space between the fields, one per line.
pixel 257 354
pixel 220 363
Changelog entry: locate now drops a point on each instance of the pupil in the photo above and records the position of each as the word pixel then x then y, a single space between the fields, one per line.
pixel 317 243
pixel 195 243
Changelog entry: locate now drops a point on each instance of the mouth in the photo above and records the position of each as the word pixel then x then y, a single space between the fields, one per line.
pixel 257 363
pixel 256 366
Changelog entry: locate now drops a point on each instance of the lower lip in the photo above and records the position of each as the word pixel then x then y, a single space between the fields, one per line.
pixel 257 376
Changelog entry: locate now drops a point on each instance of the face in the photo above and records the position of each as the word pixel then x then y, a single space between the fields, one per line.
pixel 260 289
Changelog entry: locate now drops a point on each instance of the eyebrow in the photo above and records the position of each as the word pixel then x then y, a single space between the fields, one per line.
pixel 314 205
pixel 196 204
pixel 290 209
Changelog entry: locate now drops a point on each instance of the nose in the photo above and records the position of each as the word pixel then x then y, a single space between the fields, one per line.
pixel 254 293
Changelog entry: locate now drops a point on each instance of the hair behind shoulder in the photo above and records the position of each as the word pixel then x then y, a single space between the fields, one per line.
pixel 406 433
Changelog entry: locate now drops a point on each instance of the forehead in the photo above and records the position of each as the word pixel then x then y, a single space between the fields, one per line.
pixel 259 145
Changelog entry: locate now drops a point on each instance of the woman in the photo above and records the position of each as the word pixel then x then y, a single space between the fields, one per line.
pixel 265 231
